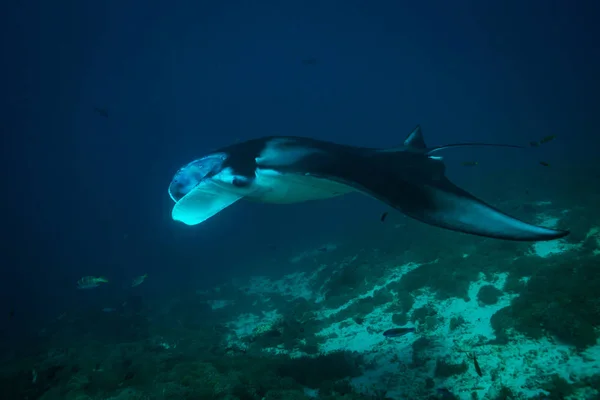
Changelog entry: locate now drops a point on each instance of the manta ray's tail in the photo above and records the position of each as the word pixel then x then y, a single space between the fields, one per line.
pixel 418 187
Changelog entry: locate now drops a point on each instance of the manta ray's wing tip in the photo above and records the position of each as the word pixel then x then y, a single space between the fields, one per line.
pixel 554 234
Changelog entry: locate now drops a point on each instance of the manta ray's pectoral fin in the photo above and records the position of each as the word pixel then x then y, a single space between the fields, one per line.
pixel 437 201
pixel 444 204
pixel 205 200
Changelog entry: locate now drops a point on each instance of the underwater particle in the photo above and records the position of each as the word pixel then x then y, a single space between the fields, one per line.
pixel 383 216
pixel 469 163
pixel 397 332
pixel 139 280
pixel 90 282
pixel 544 164
pixel 489 295
pixel 103 112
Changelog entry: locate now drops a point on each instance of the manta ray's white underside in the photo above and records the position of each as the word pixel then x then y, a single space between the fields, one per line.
pixel 213 195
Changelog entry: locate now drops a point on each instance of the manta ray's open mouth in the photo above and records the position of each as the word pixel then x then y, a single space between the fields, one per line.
pixel 193 174
pixel 179 188
pixel 196 194
pixel 203 201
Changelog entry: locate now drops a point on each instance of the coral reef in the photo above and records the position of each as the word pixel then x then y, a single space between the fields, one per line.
pixel 559 300
pixel 489 295
pixel 529 312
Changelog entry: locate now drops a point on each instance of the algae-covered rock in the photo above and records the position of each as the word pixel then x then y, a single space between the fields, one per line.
pixel 561 300
pixel 489 295
pixel 456 322
pixel 202 380
pixel 286 395
pixel 445 369
pixel 400 319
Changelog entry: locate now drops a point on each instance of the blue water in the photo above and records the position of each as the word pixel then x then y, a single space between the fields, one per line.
pixel 102 102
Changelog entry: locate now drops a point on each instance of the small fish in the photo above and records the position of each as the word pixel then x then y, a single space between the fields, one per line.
pixel 547 139
pixel 384 216
pixel 309 61
pixel 90 282
pixel 397 332
pixel 139 280
pixel 103 112
pixel 534 144
pixel 544 163
pixel 108 310
pixel 469 163
pixel 11 314
pixel 476 364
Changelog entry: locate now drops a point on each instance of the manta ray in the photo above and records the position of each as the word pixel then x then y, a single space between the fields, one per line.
pixel 285 169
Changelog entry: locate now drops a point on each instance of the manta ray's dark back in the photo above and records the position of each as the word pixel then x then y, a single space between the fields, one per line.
pixel 411 180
